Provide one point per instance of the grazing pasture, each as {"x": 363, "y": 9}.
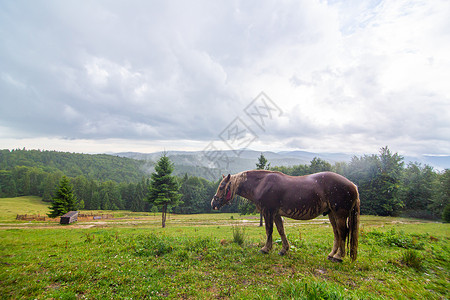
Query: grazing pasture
{"x": 32, "y": 205}
{"x": 216, "y": 256}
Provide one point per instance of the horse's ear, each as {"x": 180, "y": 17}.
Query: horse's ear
{"x": 223, "y": 176}
{"x": 228, "y": 177}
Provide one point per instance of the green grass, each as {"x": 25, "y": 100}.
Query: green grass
{"x": 31, "y": 205}
{"x": 197, "y": 257}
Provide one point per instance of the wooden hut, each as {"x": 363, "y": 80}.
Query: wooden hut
{"x": 70, "y": 217}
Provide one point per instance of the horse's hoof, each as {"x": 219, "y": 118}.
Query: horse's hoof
{"x": 334, "y": 259}
{"x": 263, "y": 252}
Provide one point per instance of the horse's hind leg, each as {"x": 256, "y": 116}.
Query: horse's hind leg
{"x": 332, "y": 218}
{"x": 268, "y": 220}
{"x": 279, "y": 222}
{"x": 340, "y": 234}
{"x": 343, "y": 230}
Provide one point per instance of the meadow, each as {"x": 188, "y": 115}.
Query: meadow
{"x": 213, "y": 256}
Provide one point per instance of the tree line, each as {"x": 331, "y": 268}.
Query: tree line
{"x": 387, "y": 187}
{"x": 101, "y": 167}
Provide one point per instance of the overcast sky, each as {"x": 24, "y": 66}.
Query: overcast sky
{"x": 337, "y": 76}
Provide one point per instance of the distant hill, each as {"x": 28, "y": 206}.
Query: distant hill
{"x": 196, "y": 163}
{"x": 133, "y": 166}
{"x": 101, "y": 167}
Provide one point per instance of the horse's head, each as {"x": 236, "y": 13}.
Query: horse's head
{"x": 225, "y": 192}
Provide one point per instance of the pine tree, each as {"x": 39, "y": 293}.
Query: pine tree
{"x": 163, "y": 190}
{"x": 64, "y": 201}
{"x": 261, "y": 165}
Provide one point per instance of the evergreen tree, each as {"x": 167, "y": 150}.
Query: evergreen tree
{"x": 319, "y": 165}
{"x": 441, "y": 199}
{"x": 378, "y": 180}
{"x": 163, "y": 190}
{"x": 64, "y": 201}
{"x": 418, "y": 189}
{"x": 390, "y": 167}
{"x": 260, "y": 165}
{"x": 195, "y": 195}
{"x": 446, "y": 214}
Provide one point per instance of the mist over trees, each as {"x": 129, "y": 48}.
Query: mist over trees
{"x": 386, "y": 185}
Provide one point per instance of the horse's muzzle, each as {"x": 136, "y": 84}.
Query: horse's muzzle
{"x": 216, "y": 203}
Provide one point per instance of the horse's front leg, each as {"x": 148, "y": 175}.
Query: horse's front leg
{"x": 268, "y": 220}
{"x": 279, "y": 222}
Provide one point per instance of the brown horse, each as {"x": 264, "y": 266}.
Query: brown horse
{"x": 278, "y": 195}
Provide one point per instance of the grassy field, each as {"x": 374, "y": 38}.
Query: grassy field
{"x": 216, "y": 256}
{"x": 31, "y": 205}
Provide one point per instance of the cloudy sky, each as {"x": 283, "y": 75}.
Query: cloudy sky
{"x": 337, "y": 76}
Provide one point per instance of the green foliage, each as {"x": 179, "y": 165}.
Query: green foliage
{"x": 262, "y": 163}
{"x": 245, "y": 206}
{"x": 163, "y": 186}
{"x": 196, "y": 195}
{"x": 163, "y": 190}
{"x": 101, "y": 167}
{"x": 316, "y": 165}
{"x": 378, "y": 177}
{"x": 103, "y": 182}
{"x": 239, "y": 235}
{"x": 420, "y": 191}
{"x": 441, "y": 203}
{"x": 378, "y": 180}
{"x": 446, "y": 214}
{"x": 412, "y": 259}
{"x": 319, "y": 165}
{"x": 64, "y": 201}
{"x": 108, "y": 182}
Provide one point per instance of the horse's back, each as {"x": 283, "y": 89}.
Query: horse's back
{"x": 340, "y": 191}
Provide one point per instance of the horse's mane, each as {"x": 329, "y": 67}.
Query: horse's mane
{"x": 236, "y": 181}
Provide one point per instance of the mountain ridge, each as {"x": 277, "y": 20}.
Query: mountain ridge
{"x": 211, "y": 166}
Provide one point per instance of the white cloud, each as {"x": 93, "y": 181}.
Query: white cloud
{"x": 349, "y": 75}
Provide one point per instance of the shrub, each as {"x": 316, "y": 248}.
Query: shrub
{"x": 238, "y": 235}
{"x": 412, "y": 259}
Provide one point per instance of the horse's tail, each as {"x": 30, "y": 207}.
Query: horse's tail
{"x": 353, "y": 228}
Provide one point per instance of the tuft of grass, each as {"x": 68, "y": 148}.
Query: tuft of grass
{"x": 412, "y": 259}
{"x": 239, "y": 235}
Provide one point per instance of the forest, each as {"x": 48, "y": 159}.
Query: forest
{"x": 386, "y": 185}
